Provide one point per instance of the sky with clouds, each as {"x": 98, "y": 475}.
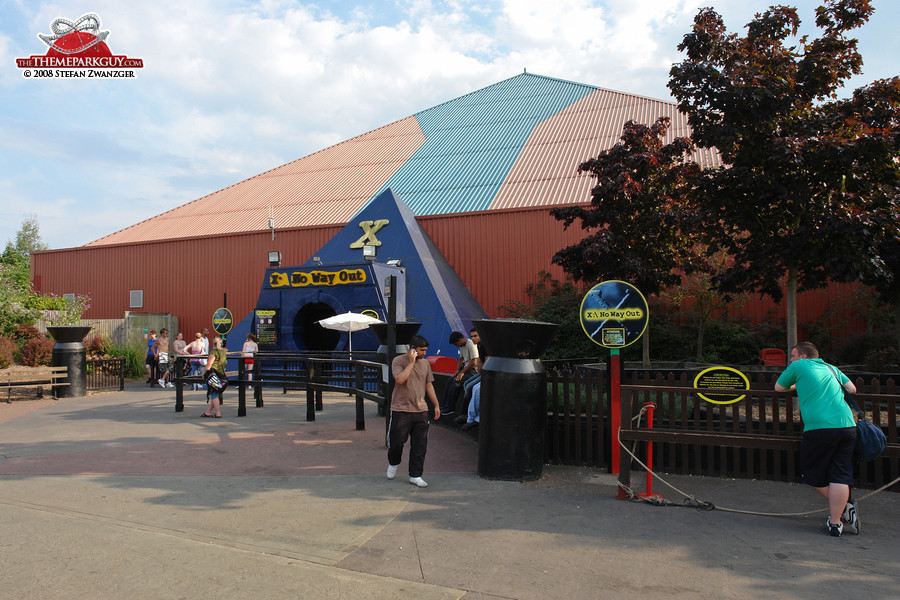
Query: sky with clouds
{"x": 232, "y": 88}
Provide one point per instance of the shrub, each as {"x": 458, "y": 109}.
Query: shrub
{"x": 37, "y": 352}
{"x": 855, "y": 349}
{"x": 134, "y": 359}
{"x": 24, "y": 332}
{"x": 7, "y": 350}
{"x": 883, "y": 361}
{"x": 98, "y": 345}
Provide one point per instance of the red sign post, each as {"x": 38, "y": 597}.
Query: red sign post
{"x": 614, "y": 314}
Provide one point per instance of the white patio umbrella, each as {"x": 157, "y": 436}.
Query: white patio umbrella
{"x": 349, "y": 322}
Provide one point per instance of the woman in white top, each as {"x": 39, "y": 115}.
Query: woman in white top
{"x": 250, "y": 347}
{"x": 196, "y": 347}
{"x": 178, "y": 346}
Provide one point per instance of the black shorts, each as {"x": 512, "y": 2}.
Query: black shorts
{"x": 826, "y": 456}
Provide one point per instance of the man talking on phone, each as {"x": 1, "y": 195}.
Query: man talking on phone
{"x": 414, "y": 383}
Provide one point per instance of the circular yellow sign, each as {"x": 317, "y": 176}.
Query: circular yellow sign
{"x": 724, "y": 378}
{"x": 614, "y": 314}
{"x": 222, "y": 321}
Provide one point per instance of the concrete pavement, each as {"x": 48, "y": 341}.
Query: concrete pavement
{"x": 116, "y": 495}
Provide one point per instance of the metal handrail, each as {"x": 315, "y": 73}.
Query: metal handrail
{"x": 310, "y": 371}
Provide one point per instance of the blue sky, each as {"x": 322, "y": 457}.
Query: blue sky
{"x": 230, "y": 89}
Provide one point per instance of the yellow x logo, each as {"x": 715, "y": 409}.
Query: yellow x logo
{"x": 370, "y": 228}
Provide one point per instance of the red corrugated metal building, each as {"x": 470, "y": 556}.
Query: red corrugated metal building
{"x": 480, "y": 172}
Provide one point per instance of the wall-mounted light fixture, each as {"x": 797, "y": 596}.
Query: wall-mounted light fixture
{"x": 274, "y": 258}
{"x": 394, "y": 262}
{"x": 369, "y": 252}
{"x": 316, "y": 260}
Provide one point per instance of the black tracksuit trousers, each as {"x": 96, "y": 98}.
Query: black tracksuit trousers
{"x": 413, "y": 426}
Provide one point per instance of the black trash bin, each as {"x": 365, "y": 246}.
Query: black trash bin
{"x": 513, "y": 398}
{"x": 405, "y": 332}
{"x": 69, "y": 351}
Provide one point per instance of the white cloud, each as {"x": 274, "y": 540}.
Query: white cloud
{"x": 231, "y": 89}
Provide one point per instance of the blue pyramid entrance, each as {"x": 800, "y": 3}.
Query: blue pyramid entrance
{"x": 340, "y": 279}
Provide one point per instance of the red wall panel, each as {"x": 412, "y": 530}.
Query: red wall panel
{"x": 496, "y": 254}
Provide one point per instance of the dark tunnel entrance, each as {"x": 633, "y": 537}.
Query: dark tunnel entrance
{"x": 313, "y": 336}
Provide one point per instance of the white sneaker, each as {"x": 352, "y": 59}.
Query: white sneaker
{"x": 850, "y": 518}
{"x": 418, "y": 481}
{"x": 392, "y": 471}
{"x": 161, "y": 382}
{"x": 170, "y": 384}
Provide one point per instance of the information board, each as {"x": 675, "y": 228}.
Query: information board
{"x": 724, "y": 378}
{"x": 266, "y": 325}
{"x": 614, "y": 314}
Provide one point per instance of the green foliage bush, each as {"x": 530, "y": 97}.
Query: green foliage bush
{"x": 886, "y": 360}
{"x": 672, "y": 334}
{"x": 24, "y": 333}
{"x": 38, "y": 352}
{"x": 856, "y": 349}
{"x": 7, "y": 351}
{"x": 98, "y": 345}
{"x": 134, "y": 359}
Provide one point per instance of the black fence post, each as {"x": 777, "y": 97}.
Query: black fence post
{"x": 360, "y": 409}
{"x": 257, "y": 389}
{"x": 242, "y": 388}
{"x": 179, "y": 387}
{"x": 310, "y": 391}
{"x": 390, "y": 350}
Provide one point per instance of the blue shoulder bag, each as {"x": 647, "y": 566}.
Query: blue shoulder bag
{"x": 870, "y": 439}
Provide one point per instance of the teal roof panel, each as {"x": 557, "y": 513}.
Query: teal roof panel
{"x": 473, "y": 141}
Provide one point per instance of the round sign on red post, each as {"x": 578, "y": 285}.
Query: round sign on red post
{"x": 614, "y": 314}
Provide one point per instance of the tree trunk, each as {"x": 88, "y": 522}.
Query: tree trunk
{"x": 897, "y": 322}
{"x": 791, "y": 308}
{"x": 645, "y": 350}
{"x": 700, "y": 331}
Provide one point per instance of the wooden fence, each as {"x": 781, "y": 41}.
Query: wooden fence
{"x": 757, "y": 437}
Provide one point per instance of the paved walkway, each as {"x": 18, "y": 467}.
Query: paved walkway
{"x": 117, "y": 496}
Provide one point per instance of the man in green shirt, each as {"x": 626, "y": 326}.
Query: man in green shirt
{"x": 829, "y": 432}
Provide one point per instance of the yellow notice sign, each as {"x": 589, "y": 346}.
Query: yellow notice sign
{"x": 722, "y": 378}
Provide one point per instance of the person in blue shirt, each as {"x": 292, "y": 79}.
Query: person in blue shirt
{"x": 829, "y": 432}
{"x": 151, "y": 360}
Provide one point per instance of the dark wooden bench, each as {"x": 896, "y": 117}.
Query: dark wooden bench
{"x": 36, "y": 378}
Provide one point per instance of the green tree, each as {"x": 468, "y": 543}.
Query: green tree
{"x": 888, "y": 288}
{"x": 15, "y": 277}
{"x": 640, "y": 227}
{"x": 698, "y": 298}
{"x": 808, "y": 192}
{"x": 16, "y": 257}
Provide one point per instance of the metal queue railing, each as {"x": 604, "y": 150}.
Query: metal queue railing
{"x": 314, "y": 372}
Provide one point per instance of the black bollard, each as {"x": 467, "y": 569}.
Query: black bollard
{"x": 513, "y": 411}
{"x": 69, "y": 352}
